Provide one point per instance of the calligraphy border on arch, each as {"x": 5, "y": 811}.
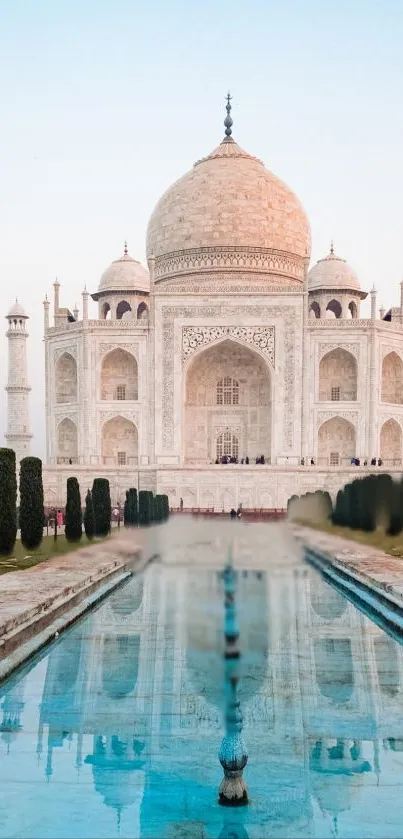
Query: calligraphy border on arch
{"x": 195, "y": 337}
{"x": 168, "y": 315}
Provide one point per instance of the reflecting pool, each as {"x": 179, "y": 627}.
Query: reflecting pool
{"x": 114, "y": 730}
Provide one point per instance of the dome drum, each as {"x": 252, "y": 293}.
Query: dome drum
{"x": 209, "y": 260}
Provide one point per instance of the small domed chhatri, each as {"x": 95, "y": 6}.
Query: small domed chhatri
{"x": 17, "y": 311}
{"x": 230, "y": 203}
{"x": 333, "y": 272}
{"x": 125, "y": 274}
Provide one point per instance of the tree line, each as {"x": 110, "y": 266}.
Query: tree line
{"x": 363, "y": 504}
{"x": 141, "y": 508}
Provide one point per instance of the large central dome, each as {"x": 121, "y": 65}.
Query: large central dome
{"x": 229, "y": 214}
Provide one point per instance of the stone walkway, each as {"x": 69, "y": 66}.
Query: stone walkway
{"x": 370, "y": 566}
{"x": 37, "y": 602}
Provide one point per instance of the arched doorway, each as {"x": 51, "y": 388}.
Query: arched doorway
{"x": 333, "y": 309}
{"x": 392, "y": 379}
{"x": 122, "y": 308}
{"x": 338, "y": 377}
{"x": 119, "y": 376}
{"x": 227, "y": 404}
{"x": 67, "y": 448}
{"x": 314, "y": 310}
{"x": 142, "y": 311}
{"x": 336, "y": 442}
{"x": 66, "y": 379}
{"x": 391, "y": 443}
{"x": 119, "y": 442}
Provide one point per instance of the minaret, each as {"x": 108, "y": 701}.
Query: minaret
{"x": 18, "y": 435}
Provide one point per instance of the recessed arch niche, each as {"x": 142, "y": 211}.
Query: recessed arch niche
{"x": 338, "y": 376}
{"x": 67, "y": 442}
{"x": 227, "y": 391}
{"x": 119, "y": 442}
{"x": 336, "y": 442}
{"x": 66, "y": 379}
{"x": 119, "y": 376}
{"x": 392, "y": 379}
{"x": 391, "y": 443}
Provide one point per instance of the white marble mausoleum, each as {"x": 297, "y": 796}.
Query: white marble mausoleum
{"x": 229, "y": 344}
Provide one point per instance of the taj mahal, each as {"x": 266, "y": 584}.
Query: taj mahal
{"x": 230, "y": 346}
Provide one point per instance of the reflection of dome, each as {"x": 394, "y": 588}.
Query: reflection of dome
{"x": 229, "y": 200}
{"x": 125, "y": 274}
{"x": 332, "y": 272}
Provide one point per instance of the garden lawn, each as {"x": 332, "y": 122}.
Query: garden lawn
{"x": 21, "y": 558}
{"x": 392, "y": 545}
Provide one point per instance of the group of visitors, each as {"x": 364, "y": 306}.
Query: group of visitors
{"x": 355, "y": 461}
{"x": 303, "y": 461}
{"x": 236, "y": 514}
{"x": 226, "y": 458}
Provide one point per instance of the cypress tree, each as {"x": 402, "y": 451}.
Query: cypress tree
{"x": 89, "y": 521}
{"x": 134, "y": 507}
{"x": 126, "y": 510}
{"x": 395, "y": 521}
{"x": 101, "y": 502}
{"x": 73, "y": 523}
{"x": 144, "y": 507}
{"x": 31, "y": 502}
{"x": 151, "y": 504}
{"x": 8, "y": 501}
{"x": 165, "y": 500}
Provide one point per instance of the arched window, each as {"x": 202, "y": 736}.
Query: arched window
{"x": 338, "y": 377}
{"x": 119, "y": 376}
{"x": 333, "y": 309}
{"x": 142, "y": 311}
{"x": 352, "y": 307}
{"x": 227, "y": 444}
{"x": 314, "y": 310}
{"x": 392, "y": 379}
{"x": 66, "y": 379}
{"x": 106, "y": 311}
{"x": 227, "y": 391}
{"x": 391, "y": 443}
{"x": 122, "y": 308}
{"x": 67, "y": 448}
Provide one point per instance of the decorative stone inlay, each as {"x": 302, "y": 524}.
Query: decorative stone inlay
{"x": 73, "y": 416}
{"x": 257, "y": 260}
{"x": 261, "y": 337}
{"x": 386, "y": 350}
{"x": 354, "y": 349}
{"x": 104, "y": 416}
{"x": 104, "y": 349}
{"x": 338, "y": 323}
{"x": 385, "y": 417}
{"x": 323, "y": 416}
{"x": 66, "y": 350}
{"x": 224, "y": 284}
{"x": 288, "y": 314}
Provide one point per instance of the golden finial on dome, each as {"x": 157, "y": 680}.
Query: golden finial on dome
{"x": 331, "y": 248}
{"x": 228, "y": 122}
{"x": 125, "y": 248}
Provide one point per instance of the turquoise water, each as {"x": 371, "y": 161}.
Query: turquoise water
{"x": 115, "y": 728}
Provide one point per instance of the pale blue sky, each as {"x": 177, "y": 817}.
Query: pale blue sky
{"x": 105, "y": 103}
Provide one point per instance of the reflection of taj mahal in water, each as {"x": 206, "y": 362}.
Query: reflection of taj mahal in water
{"x": 229, "y": 345}
{"x": 137, "y": 695}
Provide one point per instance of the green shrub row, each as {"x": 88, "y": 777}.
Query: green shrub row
{"x": 371, "y": 502}
{"x": 313, "y": 506}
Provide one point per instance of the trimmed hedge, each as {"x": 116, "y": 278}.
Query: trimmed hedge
{"x": 101, "y": 501}
{"x": 145, "y": 516}
{"x": 8, "y": 501}
{"x": 73, "y": 523}
{"x": 131, "y": 513}
{"x": 32, "y": 514}
{"x": 89, "y": 519}
{"x": 371, "y": 502}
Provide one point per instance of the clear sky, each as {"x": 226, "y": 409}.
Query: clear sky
{"x": 104, "y": 104}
